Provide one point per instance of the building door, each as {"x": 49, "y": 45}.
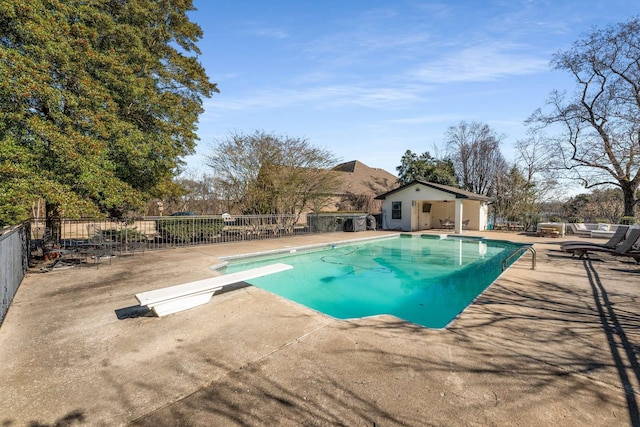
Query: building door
{"x": 425, "y": 215}
{"x": 420, "y": 215}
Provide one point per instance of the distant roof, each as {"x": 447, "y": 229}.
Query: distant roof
{"x": 358, "y": 178}
{"x": 460, "y": 194}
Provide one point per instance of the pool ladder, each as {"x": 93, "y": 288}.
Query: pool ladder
{"x": 516, "y": 252}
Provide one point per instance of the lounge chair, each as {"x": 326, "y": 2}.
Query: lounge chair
{"x": 614, "y": 241}
{"x": 580, "y": 229}
{"x": 625, "y": 248}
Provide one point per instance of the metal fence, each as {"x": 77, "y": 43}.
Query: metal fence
{"x": 14, "y": 262}
{"x": 54, "y": 240}
{"x": 148, "y": 233}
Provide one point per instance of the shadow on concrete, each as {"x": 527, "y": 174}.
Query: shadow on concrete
{"x": 75, "y": 417}
{"x": 620, "y": 345}
{"x": 133, "y": 312}
{"x": 248, "y": 397}
{"x": 560, "y": 325}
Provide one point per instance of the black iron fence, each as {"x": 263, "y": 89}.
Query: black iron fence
{"x": 14, "y": 262}
{"x": 59, "y": 242}
{"x": 55, "y": 237}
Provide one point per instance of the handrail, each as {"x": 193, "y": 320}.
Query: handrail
{"x": 514, "y": 253}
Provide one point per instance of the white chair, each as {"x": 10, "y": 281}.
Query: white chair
{"x": 580, "y": 229}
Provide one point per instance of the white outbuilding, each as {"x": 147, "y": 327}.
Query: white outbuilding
{"x": 422, "y": 205}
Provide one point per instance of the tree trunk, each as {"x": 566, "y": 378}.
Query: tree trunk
{"x": 629, "y": 192}
{"x": 52, "y": 225}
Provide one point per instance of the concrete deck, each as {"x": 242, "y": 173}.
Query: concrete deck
{"x": 553, "y": 346}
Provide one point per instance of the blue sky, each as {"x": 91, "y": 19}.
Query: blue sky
{"x": 369, "y": 79}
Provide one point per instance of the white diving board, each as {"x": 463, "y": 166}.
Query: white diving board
{"x": 176, "y": 298}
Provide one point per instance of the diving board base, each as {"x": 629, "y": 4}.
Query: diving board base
{"x": 181, "y": 304}
{"x": 177, "y": 298}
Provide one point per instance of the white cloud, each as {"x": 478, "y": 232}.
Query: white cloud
{"x": 481, "y": 62}
{"x": 262, "y": 30}
{"x": 432, "y": 118}
{"x": 274, "y": 33}
{"x": 321, "y": 97}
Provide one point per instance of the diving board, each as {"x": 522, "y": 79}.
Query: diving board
{"x": 176, "y": 298}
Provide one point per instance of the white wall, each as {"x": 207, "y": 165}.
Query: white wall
{"x": 406, "y": 196}
{"x": 474, "y": 210}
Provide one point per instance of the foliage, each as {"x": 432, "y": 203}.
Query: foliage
{"x": 599, "y": 125}
{"x": 628, "y": 220}
{"x": 98, "y": 103}
{"x": 474, "y": 149}
{"x": 184, "y": 229}
{"x": 263, "y": 173}
{"x": 124, "y": 235}
{"x": 425, "y": 168}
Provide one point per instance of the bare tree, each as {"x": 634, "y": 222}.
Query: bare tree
{"x": 200, "y": 194}
{"x": 264, "y": 173}
{"x": 602, "y": 204}
{"x": 606, "y": 204}
{"x": 599, "y": 126}
{"x": 533, "y": 159}
{"x": 474, "y": 149}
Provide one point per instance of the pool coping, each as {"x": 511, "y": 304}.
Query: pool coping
{"x": 225, "y": 259}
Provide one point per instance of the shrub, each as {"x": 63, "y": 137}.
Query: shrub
{"x": 575, "y": 219}
{"x": 185, "y": 229}
{"x": 124, "y": 235}
{"x": 628, "y": 220}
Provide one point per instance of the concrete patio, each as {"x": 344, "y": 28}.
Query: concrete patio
{"x": 553, "y": 346}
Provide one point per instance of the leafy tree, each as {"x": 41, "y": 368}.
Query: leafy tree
{"x": 474, "y": 149}
{"x": 264, "y": 173}
{"x": 425, "y": 168}
{"x": 98, "y": 103}
{"x": 575, "y": 207}
{"x": 599, "y": 125}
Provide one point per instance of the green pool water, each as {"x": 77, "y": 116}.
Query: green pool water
{"x": 421, "y": 279}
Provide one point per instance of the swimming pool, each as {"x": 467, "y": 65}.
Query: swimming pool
{"x": 422, "y": 279}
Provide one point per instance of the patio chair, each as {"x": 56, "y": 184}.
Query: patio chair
{"x": 97, "y": 247}
{"x": 614, "y": 241}
{"x": 446, "y": 224}
{"x": 626, "y": 248}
